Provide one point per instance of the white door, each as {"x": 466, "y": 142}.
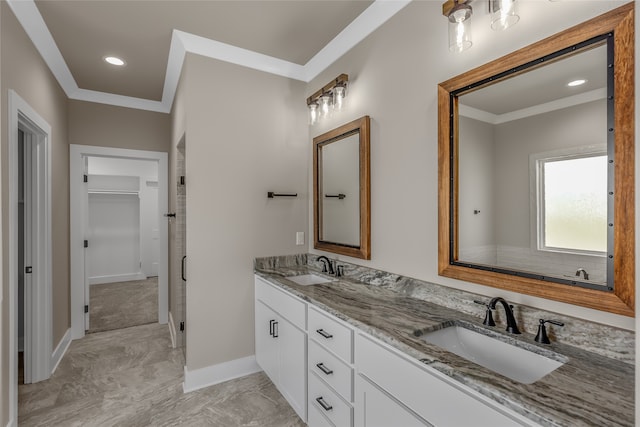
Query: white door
{"x": 27, "y": 253}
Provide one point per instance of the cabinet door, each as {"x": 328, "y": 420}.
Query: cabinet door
{"x": 293, "y": 366}
{"x": 266, "y": 343}
{"x": 374, "y": 408}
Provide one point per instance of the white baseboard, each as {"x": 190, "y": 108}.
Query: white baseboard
{"x": 172, "y": 331}
{"x": 60, "y": 350}
{"x": 114, "y": 278}
{"x": 215, "y": 374}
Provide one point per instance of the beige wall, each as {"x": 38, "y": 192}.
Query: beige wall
{"x": 109, "y": 126}
{"x": 24, "y": 71}
{"x": 246, "y": 136}
{"x": 393, "y": 78}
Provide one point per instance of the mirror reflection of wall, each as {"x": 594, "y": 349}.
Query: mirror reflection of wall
{"x": 505, "y": 136}
{"x": 341, "y": 191}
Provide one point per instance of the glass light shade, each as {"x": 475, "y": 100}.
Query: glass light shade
{"x": 338, "y": 97}
{"x": 313, "y": 113}
{"x": 460, "y": 28}
{"x": 503, "y": 14}
{"x": 325, "y": 104}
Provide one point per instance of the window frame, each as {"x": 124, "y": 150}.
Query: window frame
{"x": 537, "y": 211}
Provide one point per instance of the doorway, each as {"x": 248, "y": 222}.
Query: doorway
{"x": 30, "y": 273}
{"x": 122, "y": 243}
{"x": 86, "y": 265}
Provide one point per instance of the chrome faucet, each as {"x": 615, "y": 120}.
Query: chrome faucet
{"x": 327, "y": 265}
{"x": 512, "y": 326}
{"x": 584, "y": 272}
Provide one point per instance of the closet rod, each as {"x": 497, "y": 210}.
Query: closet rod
{"x": 122, "y": 193}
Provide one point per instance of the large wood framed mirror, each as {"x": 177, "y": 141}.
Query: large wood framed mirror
{"x": 536, "y": 168}
{"x": 341, "y": 190}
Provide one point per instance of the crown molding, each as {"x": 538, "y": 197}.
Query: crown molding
{"x": 547, "y": 107}
{"x": 182, "y": 43}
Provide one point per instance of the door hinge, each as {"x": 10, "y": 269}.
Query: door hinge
{"x": 86, "y": 308}
{"x": 86, "y": 243}
{"x": 28, "y": 270}
{"x": 182, "y": 180}
{"x": 181, "y": 326}
{"x": 85, "y": 178}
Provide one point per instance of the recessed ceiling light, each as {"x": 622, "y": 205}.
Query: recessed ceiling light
{"x": 114, "y": 60}
{"x": 576, "y": 82}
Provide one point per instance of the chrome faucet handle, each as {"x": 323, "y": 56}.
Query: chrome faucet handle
{"x": 488, "y": 316}
{"x": 542, "y": 336}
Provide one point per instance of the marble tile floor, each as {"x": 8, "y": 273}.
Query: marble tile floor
{"x": 123, "y": 304}
{"x": 132, "y": 377}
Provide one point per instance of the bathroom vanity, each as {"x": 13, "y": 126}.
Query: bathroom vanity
{"x": 352, "y": 352}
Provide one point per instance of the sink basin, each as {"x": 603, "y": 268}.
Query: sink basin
{"x": 506, "y": 359}
{"x": 310, "y": 279}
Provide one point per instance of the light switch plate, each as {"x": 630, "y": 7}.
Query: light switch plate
{"x": 300, "y": 238}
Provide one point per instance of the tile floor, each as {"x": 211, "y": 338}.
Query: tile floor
{"x": 123, "y": 304}
{"x": 132, "y": 377}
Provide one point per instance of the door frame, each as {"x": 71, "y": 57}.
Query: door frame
{"x": 78, "y": 218}
{"x": 39, "y": 336}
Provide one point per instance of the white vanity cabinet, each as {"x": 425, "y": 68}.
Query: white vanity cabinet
{"x": 281, "y": 342}
{"x": 335, "y": 375}
{"x": 391, "y": 386}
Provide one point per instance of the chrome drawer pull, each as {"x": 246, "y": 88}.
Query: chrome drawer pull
{"x": 324, "y": 333}
{"x": 324, "y": 404}
{"x": 324, "y": 369}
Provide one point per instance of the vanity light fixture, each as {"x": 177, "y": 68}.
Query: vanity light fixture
{"x": 459, "y": 14}
{"x": 503, "y": 14}
{"x": 577, "y": 82}
{"x": 329, "y": 97}
{"x": 114, "y": 60}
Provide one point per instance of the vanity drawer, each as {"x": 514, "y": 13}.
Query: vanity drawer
{"x": 327, "y": 402}
{"x": 316, "y": 419}
{"x": 284, "y": 304}
{"x": 331, "y": 369}
{"x": 331, "y": 334}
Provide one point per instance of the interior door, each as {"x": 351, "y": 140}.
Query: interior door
{"x": 27, "y": 253}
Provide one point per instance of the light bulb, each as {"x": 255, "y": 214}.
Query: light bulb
{"x": 325, "y": 104}
{"x": 313, "y": 113}
{"x": 503, "y": 14}
{"x": 338, "y": 98}
{"x": 460, "y": 28}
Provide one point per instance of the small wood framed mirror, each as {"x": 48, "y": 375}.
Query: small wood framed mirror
{"x": 341, "y": 190}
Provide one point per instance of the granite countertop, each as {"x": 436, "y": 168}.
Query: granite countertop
{"x": 589, "y": 389}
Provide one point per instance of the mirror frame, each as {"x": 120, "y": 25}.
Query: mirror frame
{"x": 361, "y": 126}
{"x": 621, "y": 300}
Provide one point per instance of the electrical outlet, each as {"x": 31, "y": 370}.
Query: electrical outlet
{"x": 300, "y": 238}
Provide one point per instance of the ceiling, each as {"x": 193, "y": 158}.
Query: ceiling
{"x": 541, "y": 89}
{"x": 296, "y": 39}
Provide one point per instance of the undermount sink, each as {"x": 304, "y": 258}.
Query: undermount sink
{"x": 506, "y": 359}
{"x": 310, "y": 279}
